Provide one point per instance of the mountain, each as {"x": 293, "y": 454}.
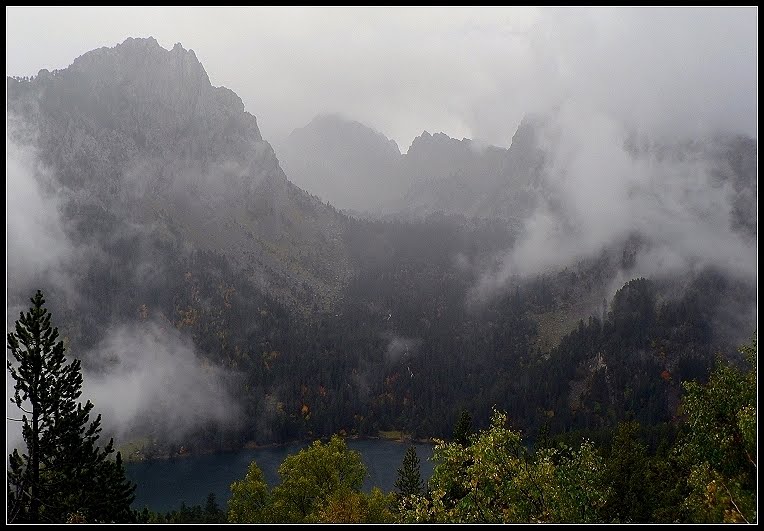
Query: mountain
{"x": 137, "y": 134}
{"x": 358, "y": 169}
{"x": 342, "y": 161}
{"x": 462, "y": 177}
{"x": 188, "y": 271}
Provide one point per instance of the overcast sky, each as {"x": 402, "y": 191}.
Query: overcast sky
{"x": 469, "y": 72}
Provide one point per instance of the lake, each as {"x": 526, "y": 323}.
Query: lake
{"x": 164, "y": 483}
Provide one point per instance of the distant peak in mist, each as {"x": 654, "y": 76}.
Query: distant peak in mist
{"x": 427, "y": 139}
{"x": 335, "y": 127}
{"x": 343, "y": 161}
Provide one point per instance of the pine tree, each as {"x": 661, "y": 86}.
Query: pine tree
{"x": 463, "y": 428}
{"x": 409, "y": 479}
{"x": 65, "y": 475}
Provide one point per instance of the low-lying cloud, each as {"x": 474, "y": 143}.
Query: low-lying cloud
{"x": 147, "y": 379}
{"x": 597, "y": 192}
{"x": 37, "y": 245}
{"x": 399, "y": 347}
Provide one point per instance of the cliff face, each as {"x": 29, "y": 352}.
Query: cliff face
{"x": 139, "y": 132}
{"x": 462, "y": 177}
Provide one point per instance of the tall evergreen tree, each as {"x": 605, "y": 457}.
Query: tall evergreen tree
{"x": 463, "y": 428}
{"x": 409, "y": 479}
{"x": 64, "y": 475}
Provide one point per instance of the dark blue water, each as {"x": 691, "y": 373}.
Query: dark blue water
{"x": 164, "y": 483}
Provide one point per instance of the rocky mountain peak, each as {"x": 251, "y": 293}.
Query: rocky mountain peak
{"x": 139, "y": 132}
{"x": 143, "y": 57}
{"x": 428, "y": 144}
{"x": 154, "y": 100}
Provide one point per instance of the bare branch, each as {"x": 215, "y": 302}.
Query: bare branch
{"x": 734, "y": 504}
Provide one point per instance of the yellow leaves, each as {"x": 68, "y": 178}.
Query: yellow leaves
{"x": 344, "y": 509}
{"x": 732, "y": 516}
{"x": 187, "y": 317}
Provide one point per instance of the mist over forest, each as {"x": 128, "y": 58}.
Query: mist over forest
{"x": 551, "y": 213}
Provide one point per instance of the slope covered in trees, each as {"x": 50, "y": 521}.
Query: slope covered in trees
{"x": 703, "y": 472}
{"x": 173, "y": 210}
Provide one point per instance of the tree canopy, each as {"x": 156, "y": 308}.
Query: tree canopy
{"x": 313, "y": 476}
{"x": 719, "y": 445}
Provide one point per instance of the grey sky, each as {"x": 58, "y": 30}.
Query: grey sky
{"x": 469, "y": 72}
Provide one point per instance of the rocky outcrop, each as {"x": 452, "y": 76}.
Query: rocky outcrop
{"x": 466, "y": 178}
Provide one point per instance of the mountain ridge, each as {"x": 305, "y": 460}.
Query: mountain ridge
{"x": 180, "y": 224}
{"x": 145, "y": 133}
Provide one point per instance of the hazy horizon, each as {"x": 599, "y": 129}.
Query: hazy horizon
{"x": 471, "y": 73}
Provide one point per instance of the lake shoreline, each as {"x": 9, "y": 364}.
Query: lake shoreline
{"x": 252, "y": 445}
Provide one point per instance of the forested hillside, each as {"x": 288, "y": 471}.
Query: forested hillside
{"x": 173, "y": 220}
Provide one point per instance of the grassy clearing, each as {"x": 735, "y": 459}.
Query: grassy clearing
{"x": 392, "y": 435}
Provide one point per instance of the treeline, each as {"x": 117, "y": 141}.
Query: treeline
{"x": 403, "y": 348}
{"x": 703, "y": 471}
{"x": 210, "y": 513}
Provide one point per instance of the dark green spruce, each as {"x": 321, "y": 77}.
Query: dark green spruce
{"x": 63, "y": 476}
{"x": 463, "y": 428}
{"x": 409, "y": 479}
